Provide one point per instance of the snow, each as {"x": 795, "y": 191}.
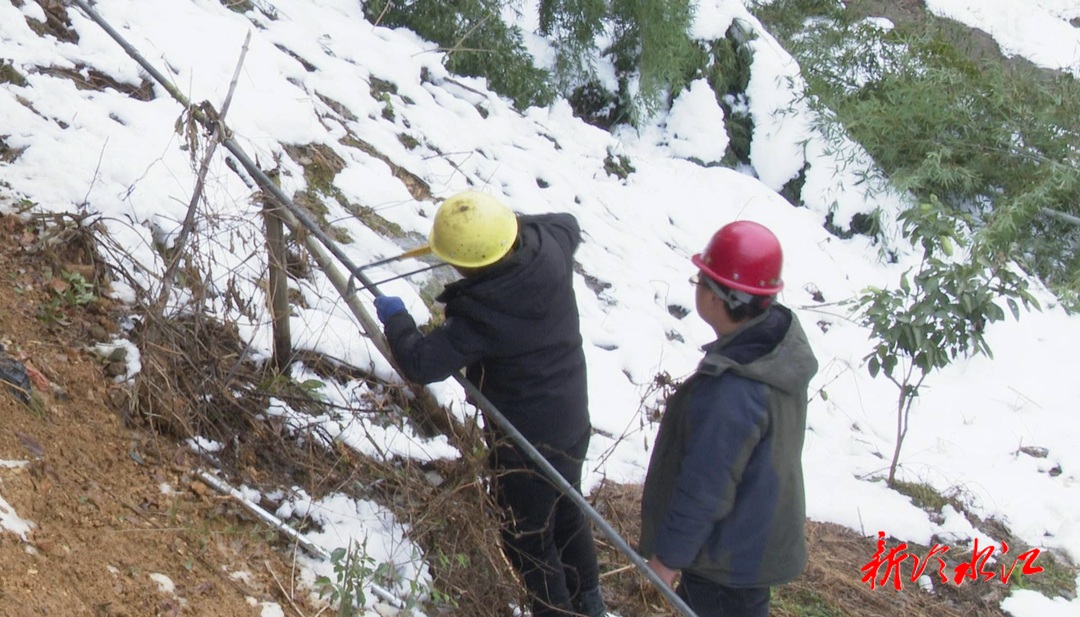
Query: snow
{"x": 1038, "y": 30}
{"x": 9, "y": 519}
{"x": 107, "y": 153}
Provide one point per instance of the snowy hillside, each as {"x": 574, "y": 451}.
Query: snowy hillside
{"x": 365, "y": 122}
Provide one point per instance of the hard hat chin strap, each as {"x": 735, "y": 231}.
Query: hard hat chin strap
{"x": 734, "y": 298}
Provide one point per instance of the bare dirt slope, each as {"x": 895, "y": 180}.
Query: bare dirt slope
{"x": 120, "y": 524}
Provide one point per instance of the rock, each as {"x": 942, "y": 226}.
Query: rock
{"x": 1035, "y": 451}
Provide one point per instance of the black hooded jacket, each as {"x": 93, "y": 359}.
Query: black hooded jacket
{"x": 514, "y": 327}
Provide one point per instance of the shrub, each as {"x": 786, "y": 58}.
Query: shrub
{"x": 947, "y": 119}
{"x": 477, "y": 42}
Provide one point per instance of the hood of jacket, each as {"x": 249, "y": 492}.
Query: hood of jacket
{"x": 771, "y": 348}
{"x": 523, "y": 284}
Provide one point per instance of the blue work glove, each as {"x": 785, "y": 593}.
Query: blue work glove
{"x": 388, "y": 306}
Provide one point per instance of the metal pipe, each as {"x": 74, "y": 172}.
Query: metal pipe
{"x": 264, "y": 181}
{"x": 556, "y": 478}
{"x": 222, "y": 487}
{"x": 263, "y": 514}
{"x": 481, "y": 401}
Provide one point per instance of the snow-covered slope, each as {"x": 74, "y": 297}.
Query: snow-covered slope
{"x": 317, "y": 77}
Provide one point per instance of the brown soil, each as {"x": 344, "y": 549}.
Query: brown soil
{"x": 831, "y": 585}
{"x": 117, "y": 508}
{"x": 114, "y": 508}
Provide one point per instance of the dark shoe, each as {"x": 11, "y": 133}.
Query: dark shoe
{"x": 591, "y": 603}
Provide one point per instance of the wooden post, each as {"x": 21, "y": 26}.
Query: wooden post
{"x": 279, "y": 286}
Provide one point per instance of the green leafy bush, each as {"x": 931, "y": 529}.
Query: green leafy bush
{"x": 647, "y": 41}
{"x": 353, "y": 570}
{"x": 652, "y": 46}
{"x": 941, "y": 311}
{"x": 478, "y": 43}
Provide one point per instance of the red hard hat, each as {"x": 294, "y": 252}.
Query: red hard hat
{"x": 743, "y": 255}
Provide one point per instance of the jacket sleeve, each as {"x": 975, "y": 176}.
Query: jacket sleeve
{"x": 433, "y": 357}
{"x": 727, "y": 418}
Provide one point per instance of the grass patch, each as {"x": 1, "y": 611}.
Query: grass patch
{"x": 9, "y": 154}
{"x": 923, "y": 495}
{"x": 618, "y": 165}
{"x": 410, "y": 142}
{"x": 1056, "y": 579}
{"x": 10, "y": 75}
{"x": 88, "y": 78}
{"x": 802, "y": 602}
{"x": 238, "y": 6}
{"x": 57, "y": 23}
{"x": 381, "y": 90}
{"x": 321, "y": 165}
{"x": 416, "y": 185}
{"x": 372, "y": 220}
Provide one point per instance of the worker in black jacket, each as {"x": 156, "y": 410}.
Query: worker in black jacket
{"x": 512, "y": 323}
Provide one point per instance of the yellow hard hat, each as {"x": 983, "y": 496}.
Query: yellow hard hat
{"x": 472, "y": 230}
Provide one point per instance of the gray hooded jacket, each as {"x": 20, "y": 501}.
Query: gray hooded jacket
{"x": 723, "y": 496}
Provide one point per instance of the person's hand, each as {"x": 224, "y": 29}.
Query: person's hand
{"x": 665, "y": 573}
{"x": 388, "y": 306}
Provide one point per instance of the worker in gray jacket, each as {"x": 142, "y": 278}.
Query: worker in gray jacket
{"x": 723, "y": 500}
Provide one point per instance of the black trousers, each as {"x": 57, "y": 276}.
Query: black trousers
{"x": 709, "y": 599}
{"x": 546, "y": 535}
